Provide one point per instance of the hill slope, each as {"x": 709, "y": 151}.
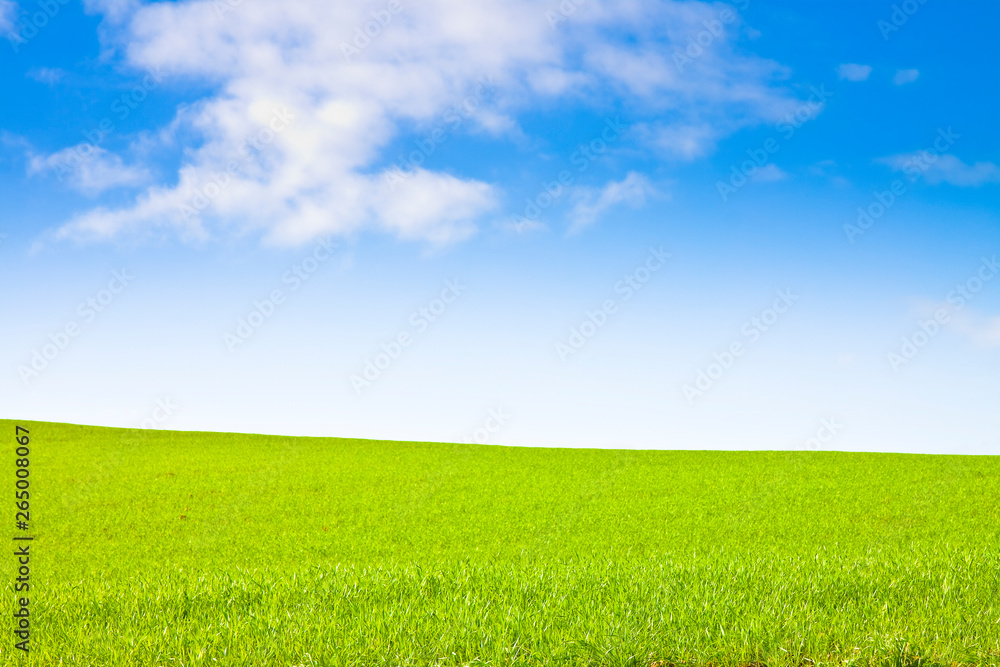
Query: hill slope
{"x": 166, "y": 548}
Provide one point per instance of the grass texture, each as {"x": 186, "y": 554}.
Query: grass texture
{"x": 156, "y": 548}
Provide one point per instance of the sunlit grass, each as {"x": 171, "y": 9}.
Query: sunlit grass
{"x": 158, "y": 548}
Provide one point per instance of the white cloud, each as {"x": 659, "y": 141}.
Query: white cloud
{"x": 686, "y": 142}
{"x": 905, "y": 76}
{"x": 88, "y": 168}
{"x": 436, "y": 207}
{"x": 853, "y": 72}
{"x": 770, "y": 173}
{"x": 116, "y": 10}
{"x": 631, "y": 190}
{"x": 822, "y": 167}
{"x": 46, "y": 75}
{"x": 944, "y": 169}
{"x": 8, "y": 15}
{"x": 984, "y": 331}
{"x": 350, "y": 99}
{"x": 522, "y": 225}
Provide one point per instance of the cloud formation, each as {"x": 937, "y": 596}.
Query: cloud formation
{"x": 46, "y": 75}
{"x": 853, "y": 72}
{"x": 982, "y": 330}
{"x": 88, "y": 168}
{"x": 905, "y": 76}
{"x": 770, "y": 173}
{"x": 354, "y": 76}
{"x": 945, "y": 168}
{"x": 8, "y": 14}
{"x": 631, "y": 190}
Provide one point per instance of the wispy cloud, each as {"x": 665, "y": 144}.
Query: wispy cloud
{"x": 118, "y": 10}
{"x": 823, "y": 167}
{"x": 685, "y": 142}
{"x": 945, "y": 169}
{"x": 853, "y": 72}
{"x": 353, "y": 94}
{"x": 592, "y": 204}
{"x": 904, "y": 76}
{"x": 974, "y": 325}
{"x": 88, "y": 168}
{"x": 47, "y": 75}
{"x": 8, "y": 14}
{"x": 770, "y": 173}
{"x": 982, "y": 330}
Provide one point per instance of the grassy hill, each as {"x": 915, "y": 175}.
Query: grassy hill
{"x": 169, "y": 548}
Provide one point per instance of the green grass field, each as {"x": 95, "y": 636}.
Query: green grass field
{"x": 163, "y": 548}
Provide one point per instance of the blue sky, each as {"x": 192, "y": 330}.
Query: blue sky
{"x": 734, "y": 225}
